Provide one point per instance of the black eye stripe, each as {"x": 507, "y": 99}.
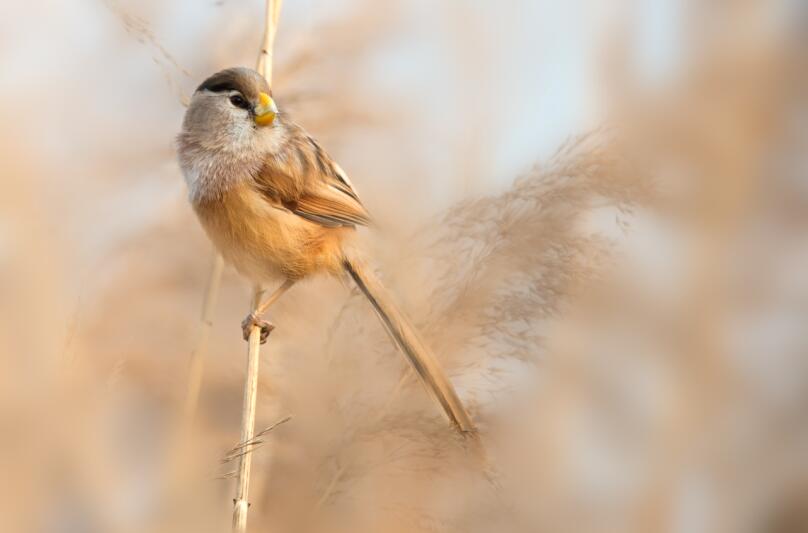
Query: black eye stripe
{"x": 239, "y": 101}
{"x": 218, "y": 87}
{"x": 242, "y": 80}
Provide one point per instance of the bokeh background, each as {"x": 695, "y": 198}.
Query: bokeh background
{"x": 595, "y": 211}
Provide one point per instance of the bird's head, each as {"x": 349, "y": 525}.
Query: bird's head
{"x": 231, "y": 107}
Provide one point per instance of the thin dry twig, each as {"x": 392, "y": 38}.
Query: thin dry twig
{"x": 141, "y": 30}
{"x": 241, "y": 448}
{"x": 196, "y": 364}
{"x": 240, "y": 503}
{"x": 273, "y": 13}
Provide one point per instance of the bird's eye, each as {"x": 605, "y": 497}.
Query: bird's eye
{"x": 239, "y": 101}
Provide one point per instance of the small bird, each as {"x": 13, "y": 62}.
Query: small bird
{"x": 279, "y": 209}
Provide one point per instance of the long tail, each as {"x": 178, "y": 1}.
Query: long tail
{"x": 420, "y": 357}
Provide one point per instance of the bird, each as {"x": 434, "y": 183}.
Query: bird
{"x": 280, "y": 210}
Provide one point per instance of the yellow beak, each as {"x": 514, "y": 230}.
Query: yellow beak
{"x": 266, "y": 110}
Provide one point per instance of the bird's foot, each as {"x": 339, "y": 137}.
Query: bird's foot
{"x": 253, "y": 320}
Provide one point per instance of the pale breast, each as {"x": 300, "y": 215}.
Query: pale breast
{"x": 265, "y": 242}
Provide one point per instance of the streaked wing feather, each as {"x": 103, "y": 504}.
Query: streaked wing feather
{"x": 330, "y": 203}
{"x": 343, "y": 183}
{"x": 323, "y": 221}
{"x": 310, "y": 184}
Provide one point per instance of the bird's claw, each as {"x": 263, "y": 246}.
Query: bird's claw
{"x": 254, "y": 321}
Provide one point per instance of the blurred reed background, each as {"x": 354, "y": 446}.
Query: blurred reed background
{"x": 595, "y": 211}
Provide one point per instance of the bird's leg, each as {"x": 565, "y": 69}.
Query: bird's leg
{"x": 254, "y": 319}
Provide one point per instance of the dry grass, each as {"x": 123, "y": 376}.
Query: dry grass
{"x": 625, "y": 320}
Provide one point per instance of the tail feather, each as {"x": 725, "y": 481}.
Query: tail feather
{"x": 405, "y": 335}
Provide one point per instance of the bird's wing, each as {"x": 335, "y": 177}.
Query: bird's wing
{"x": 311, "y": 185}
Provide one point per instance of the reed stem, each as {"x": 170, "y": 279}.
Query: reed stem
{"x": 241, "y": 503}
{"x": 197, "y": 363}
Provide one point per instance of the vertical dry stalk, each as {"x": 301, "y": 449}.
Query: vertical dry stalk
{"x": 196, "y": 365}
{"x": 241, "y": 503}
{"x": 273, "y": 13}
